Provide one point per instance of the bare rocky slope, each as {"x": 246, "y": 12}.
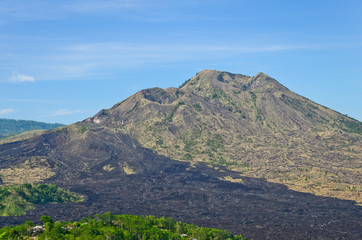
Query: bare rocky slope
{"x": 223, "y": 150}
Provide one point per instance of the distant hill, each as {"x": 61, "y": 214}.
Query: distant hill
{"x": 10, "y": 127}
{"x": 236, "y": 152}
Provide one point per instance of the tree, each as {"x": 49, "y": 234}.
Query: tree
{"x": 45, "y": 219}
{"x": 48, "y": 222}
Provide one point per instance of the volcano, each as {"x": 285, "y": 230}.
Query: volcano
{"x": 223, "y": 150}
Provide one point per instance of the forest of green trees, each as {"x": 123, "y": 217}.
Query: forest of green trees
{"x": 10, "y": 126}
{"x": 16, "y": 199}
{"x": 108, "y": 226}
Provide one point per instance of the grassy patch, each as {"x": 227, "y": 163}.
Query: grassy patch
{"x": 352, "y": 126}
{"x": 197, "y": 106}
{"x": 216, "y": 142}
{"x": 33, "y": 170}
{"x": 128, "y": 169}
{"x": 170, "y": 116}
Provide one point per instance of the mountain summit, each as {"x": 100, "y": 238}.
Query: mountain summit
{"x": 229, "y": 133}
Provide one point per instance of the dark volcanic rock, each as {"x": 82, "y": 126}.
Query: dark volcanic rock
{"x": 195, "y": 194}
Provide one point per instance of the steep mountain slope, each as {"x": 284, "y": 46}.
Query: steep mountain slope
{"x": 72, "y": 154}
{"x": 254, "y": 125}
{"x": 10, "y": 126}
{"x": 21, "y": 136}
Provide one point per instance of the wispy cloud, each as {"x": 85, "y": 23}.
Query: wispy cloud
{"x": 100, "y": 6}
{"x": 137, "y": 10}
{"x": 18, "y": 10}
{"x": 123, "y": 47}
{"x": 62, "y": 112}
{"x": 43, "y": 101}
{"x": 6, "y": 110}
{"x": 121, "y": 55}
{"x": 88, "y": 61}
{"x": 17, "y": 77}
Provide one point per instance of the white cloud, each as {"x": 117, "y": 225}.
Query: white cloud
{"x": 5, "y": 111}
{"x": 17, "y": 77}
{"x": 64, "y": 111}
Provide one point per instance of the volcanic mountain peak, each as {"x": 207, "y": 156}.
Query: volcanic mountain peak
{"x": 260, "y": 100}
{"x": 241, "y": 121}
{"x": 211, "y": 80}
{"x": 251, "y": 125}
{"x": 215, "y": 78}
{"x": 205, "y": 84}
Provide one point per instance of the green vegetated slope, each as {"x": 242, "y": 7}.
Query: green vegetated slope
{"x": 15, "y": 200}
{"x": 108, "y": 226}
{"x": 21, "y": 136}
{"x": 10, "y": 127}
{"x": 253, "y": 125}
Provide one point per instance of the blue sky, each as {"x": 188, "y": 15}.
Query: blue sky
{"x": 63, "y": 61}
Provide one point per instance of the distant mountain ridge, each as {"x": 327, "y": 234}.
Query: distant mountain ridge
{"x": 10, "y": 127}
